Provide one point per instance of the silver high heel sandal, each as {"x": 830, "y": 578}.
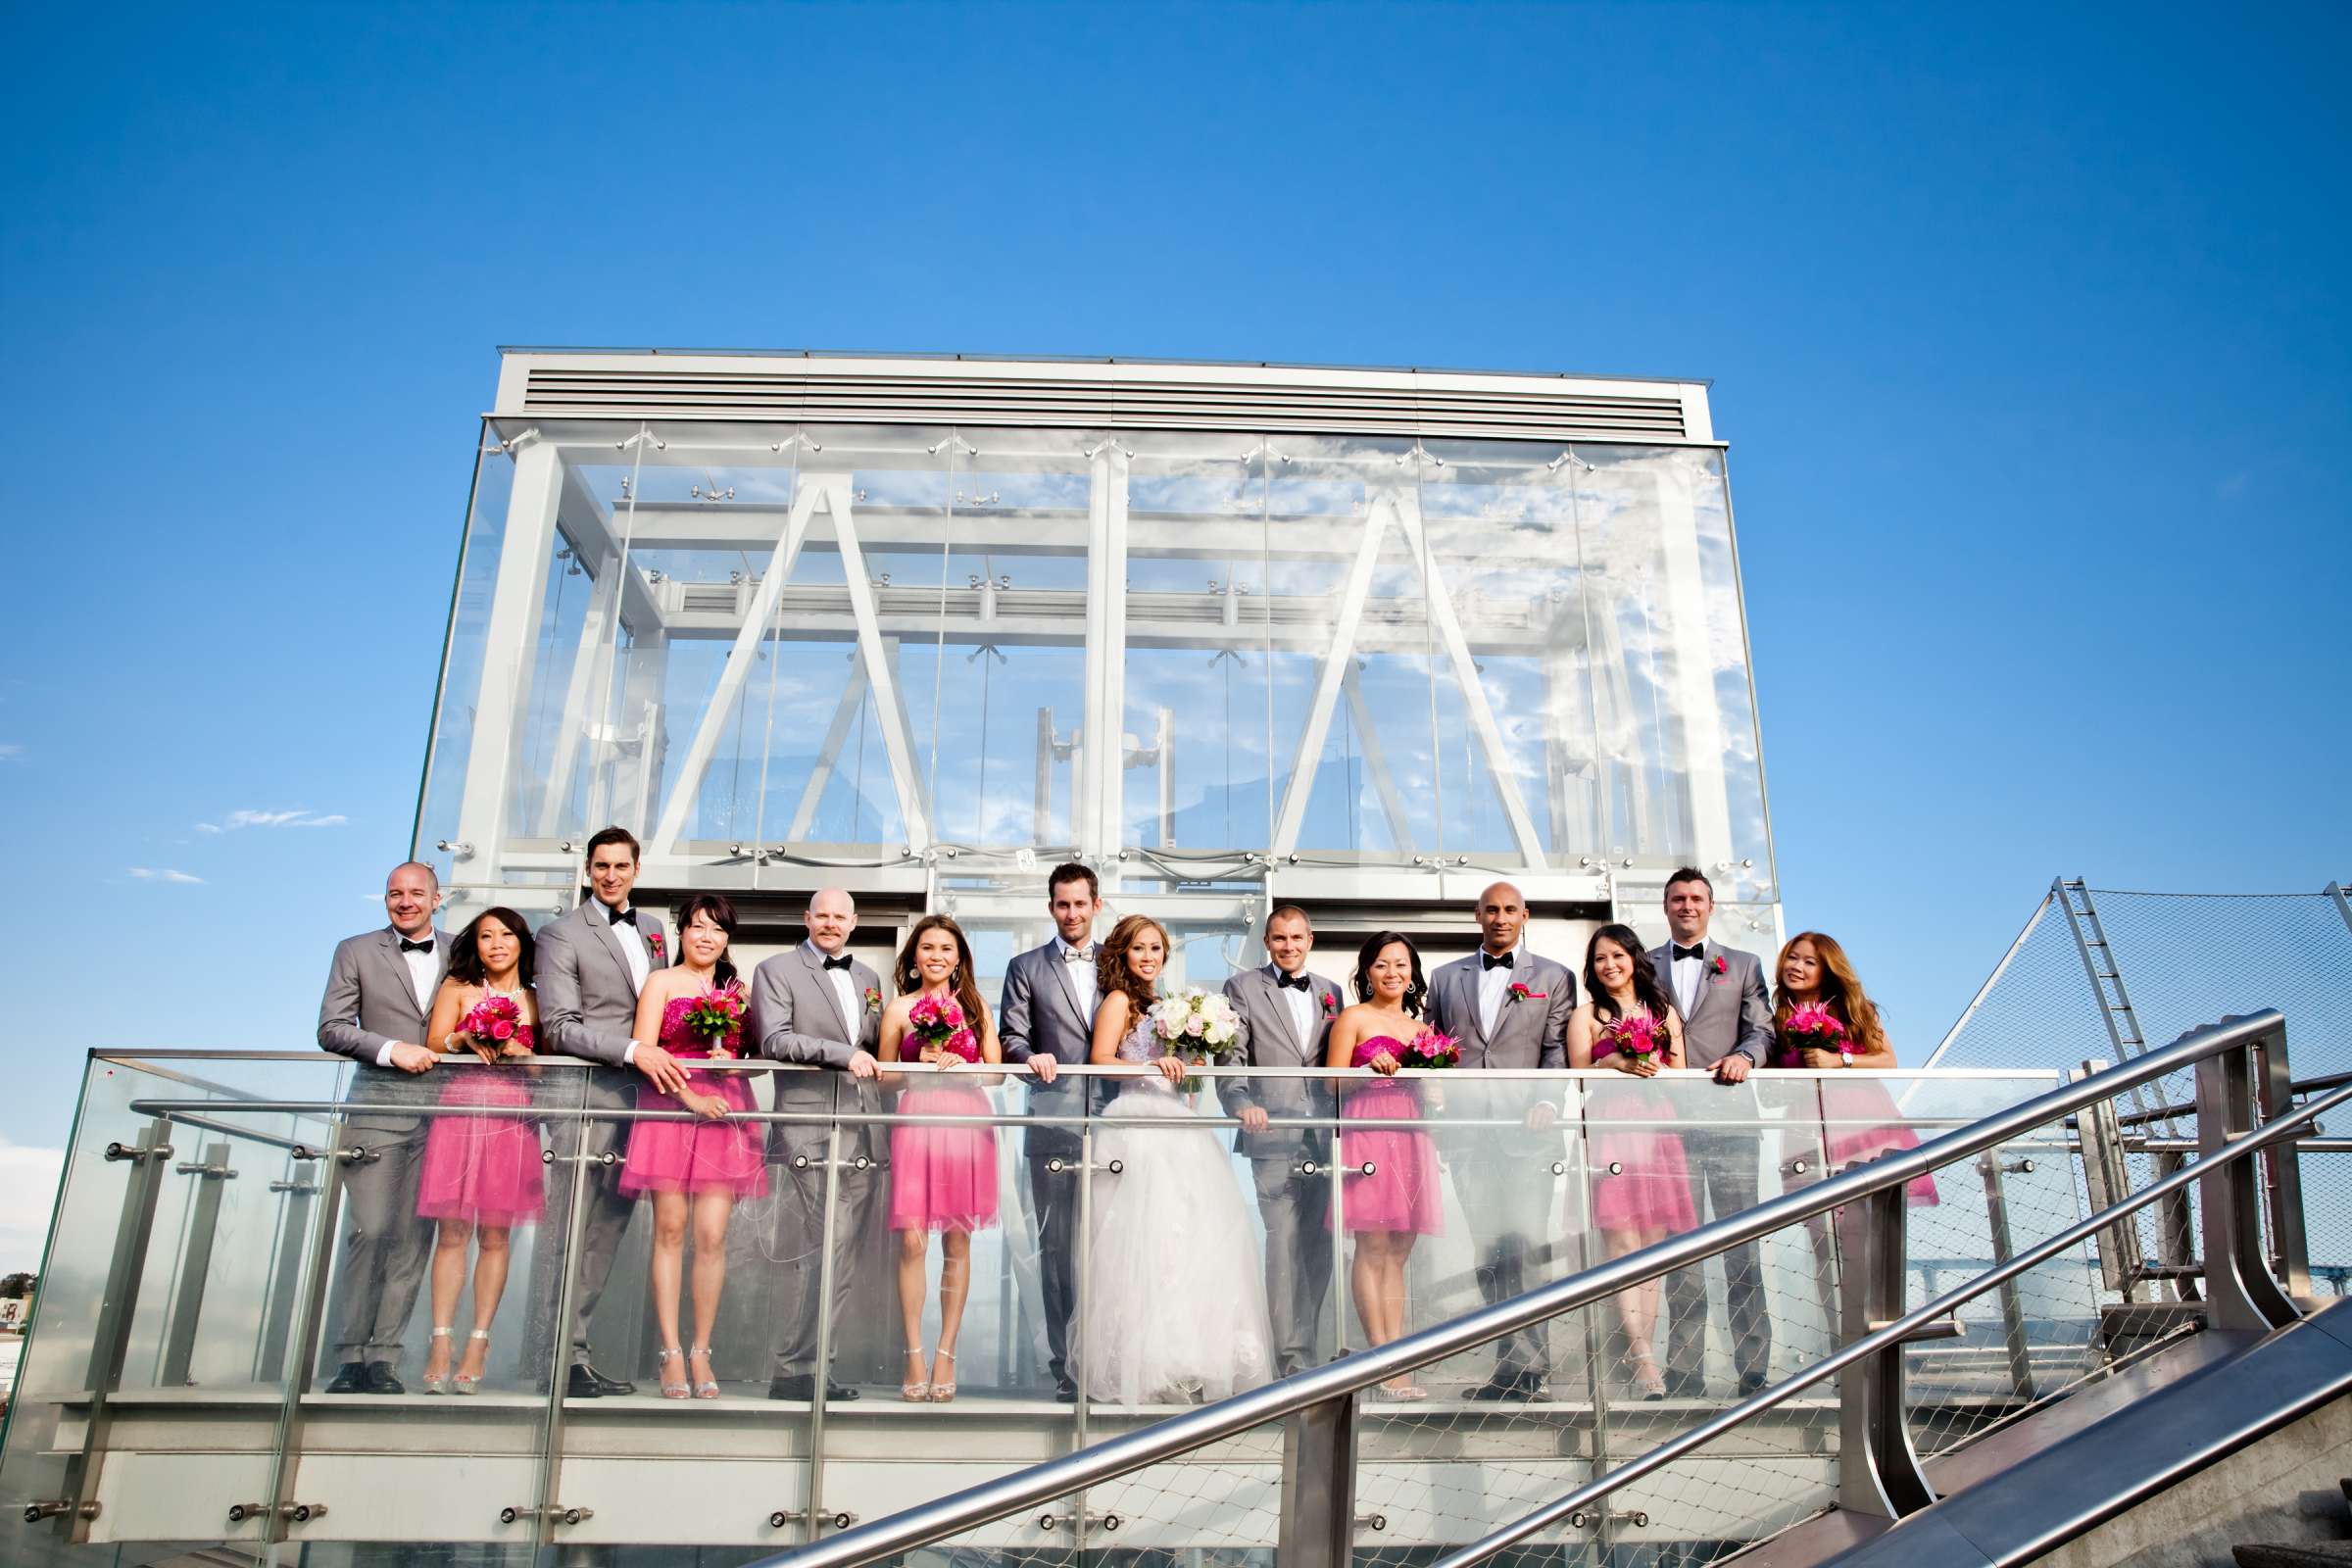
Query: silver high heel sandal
{"x": 469, "y": 1382}
{"x": 669, "y": 1390}
{"x": 915, "y": 1392}
{"x": 432, "y": 1384}
{"x": 708, "y": 1388}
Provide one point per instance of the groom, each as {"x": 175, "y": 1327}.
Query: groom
{"x": 1510, "y": 1008}
{"x": 379, "y": 993}
{"x": 1047, "y": 1023}
{"x": 1286, "y": 1023}
{"x": 1727, "y": 1028}
{"x": 589, "y": 968}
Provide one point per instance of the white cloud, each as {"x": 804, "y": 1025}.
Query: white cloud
{"x": 10, "y": 751}
{"x": 149, "y": 873}
{"x": 29, "y": 1179}
{"x": 243, "y": 819}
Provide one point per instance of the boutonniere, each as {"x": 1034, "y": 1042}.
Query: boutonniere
{"x": 874, "y": 1001}
{"x": 652, "y": 943}
{"x": 1331, "y": 1005}
{"x": 1520, "y": 993}
{"x": 1721, "y": 967}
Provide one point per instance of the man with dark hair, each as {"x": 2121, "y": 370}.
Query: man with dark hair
{"x": 1046, "y": 1022}
{"x": 1286, "y": 1023}
{"x": 1508, "y": 1007}
{"x": 1726, "y": 1029}
{"x": 589, "y": 968}
{"x": 379, "y": 993}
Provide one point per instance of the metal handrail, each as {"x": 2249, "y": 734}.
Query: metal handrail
{"x": 944, "y": 1517}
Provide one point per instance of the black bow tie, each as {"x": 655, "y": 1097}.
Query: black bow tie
{"x": 1296, "y": 982}
{"x": 1495, "y": 960}
{"x": 406, "y": 945}
{"x": 842, "y": 962}
{"x": 628, "y": 917}
{"x": 1680, "y": 953}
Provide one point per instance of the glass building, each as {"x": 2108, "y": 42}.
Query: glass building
{"x": 1234, "y": 634}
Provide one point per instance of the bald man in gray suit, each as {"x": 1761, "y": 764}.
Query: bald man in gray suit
{"x": 379, "y": 993}
{"x": 818, "y": 1006}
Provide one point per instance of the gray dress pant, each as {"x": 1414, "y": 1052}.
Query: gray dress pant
{"x": 1723, "y": 1176}
{"x": 386, "y": 1246}
{"x": 799, "y": 1240}
{"x": 1298, "y": 1250}
{"x": 1506, "y": 1192}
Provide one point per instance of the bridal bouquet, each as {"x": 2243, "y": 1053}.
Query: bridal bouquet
{"x": 1635, "y": 1036}
{"x": 497, "y": 1022}
{"x": 939, "y": 1023}
{"x": 1430, "y": 1049}
{"x": 717, "y": 1017}
{"x": 1195, "y": 1023}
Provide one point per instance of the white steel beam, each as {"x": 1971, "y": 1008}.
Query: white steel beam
{"x": 1686, "y": 605}
{"x": 590, "y": 682}
{"x": 837, "y": 736}
{"x": 881, "y": 674}
{"x": 1098, "y": 766}
{"x": 1376, "y": 761}
{"x": 1337, "y": 661}
{"x": 757, "y": 621}
{"x": 510, "y": 638}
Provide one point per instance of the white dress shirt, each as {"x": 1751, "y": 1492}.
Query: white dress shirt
{"x": 1086, "y": 991}
{"x": 632, "y": 945}
{"x": 424, "y": 975}
{"x": 1687, "y": 974}
{"x": 1494, "y": 984}
{"x": 1302, "y": 1005}
{"x": 844, "y": 988}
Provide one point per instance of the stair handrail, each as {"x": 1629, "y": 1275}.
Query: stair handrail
{"x": 1333, "y": 1385}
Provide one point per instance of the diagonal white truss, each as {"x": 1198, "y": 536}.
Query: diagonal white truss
{"x": 828, "y": 494}
{"x": 1397, "y": 508}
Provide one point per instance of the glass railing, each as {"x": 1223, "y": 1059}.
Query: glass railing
{"x": 233, "y": 1231}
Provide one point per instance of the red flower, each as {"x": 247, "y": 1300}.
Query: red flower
{"x": 1520, "y": 993}
{"x": 1331, "y": 1005}
{"x": 1721, "y": 966}
{"x": 653, "y": 940}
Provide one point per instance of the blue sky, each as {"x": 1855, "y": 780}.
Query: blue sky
{"x": 2028, "y": 329}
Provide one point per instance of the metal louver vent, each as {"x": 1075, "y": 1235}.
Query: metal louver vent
{"x": 830, "y": 397}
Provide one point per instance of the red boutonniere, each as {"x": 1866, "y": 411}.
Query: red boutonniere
{"x": 874, "y": 999}
{"x": 1331, "y": 1005}
{"x": 652, "y": 943}
{"x": 1520, "y": 993}
{"x": 1721, "y": 967}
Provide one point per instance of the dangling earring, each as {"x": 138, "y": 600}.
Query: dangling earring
{"x": 956, "y": 978}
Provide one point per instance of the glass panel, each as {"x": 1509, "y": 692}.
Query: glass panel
{"x": 464, "y": 652}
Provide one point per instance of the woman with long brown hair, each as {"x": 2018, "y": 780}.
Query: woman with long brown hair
{"x": 1175, "y": 1305}
{"x": 942, "y": 1178}
{"x": 1822, "y": 1019}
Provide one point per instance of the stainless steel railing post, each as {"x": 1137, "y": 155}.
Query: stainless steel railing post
{"x": 212, "y": 1176}
{"x": 2240, "y": 1293}
{"x": 1318, "y": 1487}
{"x": 2283, "y": 1168}
{"x": 1878, "y": 1470}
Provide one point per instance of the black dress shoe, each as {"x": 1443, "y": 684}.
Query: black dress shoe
{"x": 380, "y": 1379}
{"x": 581, "y": 1384}
{"x": 1751, "y": 1383}
{"x": 1502, "y": 1386}
{"x": 792, "y": 1385}
{"x": 1685, "y": 1386}
{"x": 1065, "y": 1394}
{"x": 610, "y": 1388}
{"x": 350, "y": 1378}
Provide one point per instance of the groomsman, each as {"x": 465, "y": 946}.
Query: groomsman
{"x": 818, "y": 1005}
{"x": 1286, "y": 1023}
{"x": 1510, "y": 1008}
{"x": 379, "y": 992}
{"x": 1047, "y": 1022}
{"x": 1727, "y": 1027}
{"x": 589, "y": 968}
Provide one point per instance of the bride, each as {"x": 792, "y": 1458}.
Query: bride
{"x": 1174, "y": 1304}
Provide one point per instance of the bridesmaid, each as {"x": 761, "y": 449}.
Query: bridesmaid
{"x": 1862, "y": 1119}
{"x": 1648, "y": 1198}
{"x": 1388, "y": 1211}
{"x": 942, "y": 1178}
{"x": 696, "y": 1169}
{"x": 482, "y": 1174}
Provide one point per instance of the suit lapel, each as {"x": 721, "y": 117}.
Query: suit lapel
{"x": 1282, "y": 1009}
{"x": 824, "y": 988}
{"x": 1467, "y": 987}
{"x": 594, "y": 912}
{"x": 396, "y": 968}
{"x": 1069, "y": 986}
{"x": 1700, "y": 988}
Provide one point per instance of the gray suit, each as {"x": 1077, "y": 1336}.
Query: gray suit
{"x": 1049, "y": 1012}
{"x": 797, "y": 1017}
{"x": 1729, "y": 1013}
{"x": 1504, "y": 1176}
{"x": 1292, "y": 1202}
{"x": 371, "y": 1000}
{"x": 588, "y": 1009}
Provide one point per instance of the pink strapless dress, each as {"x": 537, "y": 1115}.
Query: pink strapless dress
{"x": 1402, "y": 1193}
{"x": 1650, "y": 1189}
{"x": 1863, "y": 1124}
{"x": 694, "y": 1155}
{"x": 483, "y": 1168}
{"x": 942, "y": 1178}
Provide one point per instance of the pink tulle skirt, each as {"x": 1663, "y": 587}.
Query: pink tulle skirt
{"x": 483, "y": 1168}
{"x": 697, "y": 1156}
{"x": 942, "y": 1178}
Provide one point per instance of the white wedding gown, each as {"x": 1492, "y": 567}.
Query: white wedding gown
{"x": 1174, "y": 1297}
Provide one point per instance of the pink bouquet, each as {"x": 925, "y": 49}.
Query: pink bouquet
{"x": 1812, "y": 1027}
{"x": 497, "y": 1021}
{"x": 1636, "y": 1035}
{"x": 937, "y": 1022}
{"x": 717, "y": 1017}
{"x": 1430, "y": 1049}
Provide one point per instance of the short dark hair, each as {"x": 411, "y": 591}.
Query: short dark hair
{"x": 465, "y": 964}
{"x": 614, "y": 835}
{"x": 1282, "y": 911}
{"x": 1071, "y": 871}
{"x": 1689, "y": 873}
